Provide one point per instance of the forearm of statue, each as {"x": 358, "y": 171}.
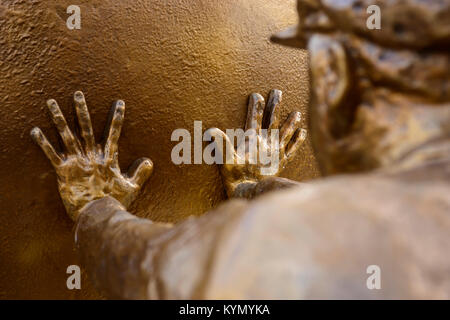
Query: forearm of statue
{"x": 118, "y": 249}
{"x": 134, "y": 258}
{"x": 243, "y": 173}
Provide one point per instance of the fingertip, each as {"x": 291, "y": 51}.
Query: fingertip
{"x": 275, "y": 93}
{"x": 146, "y": 166}
{"x": 39, "y": 138}
{"x": 120, "y": 104}
{"x": 256, "y": 97}
{"x": 53, "y": 106}
{"x": 119, "y": 108}
{"x": 147, "y": 163}
{"x": 296, "y": 116}
{"x": 78, "y": 96}
{"x": 35, "y": 133}
{"x": 141, "y": 170}
{"x": 51, "y": 103}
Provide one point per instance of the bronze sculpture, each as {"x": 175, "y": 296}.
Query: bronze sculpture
{"x": 173, "y": 62}
{"x": 312, "y": 241}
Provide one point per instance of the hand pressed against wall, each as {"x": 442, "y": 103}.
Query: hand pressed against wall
{"x": 89, "y": 171}
{"x": 262, "y": 120}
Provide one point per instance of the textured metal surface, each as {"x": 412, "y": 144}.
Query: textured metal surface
{"x": 172, "y": 62}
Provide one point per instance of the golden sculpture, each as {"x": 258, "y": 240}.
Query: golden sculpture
{"x": 172, "y": 62}
{"x": 92, "y": 186}
{"x": 377, "y": 103}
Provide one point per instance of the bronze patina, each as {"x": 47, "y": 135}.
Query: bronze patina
{"x": 380, "y": 109}
{"x": 173, "y": 62}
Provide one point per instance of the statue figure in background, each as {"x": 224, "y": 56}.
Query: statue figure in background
{"x": 380, "y": 110}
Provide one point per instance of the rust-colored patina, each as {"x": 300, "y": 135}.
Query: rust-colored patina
{"x": 172, "y": 62}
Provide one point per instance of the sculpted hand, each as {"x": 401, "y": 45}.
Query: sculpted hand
{"x": 266, "y": 149}
{"x": 91, "y": 171}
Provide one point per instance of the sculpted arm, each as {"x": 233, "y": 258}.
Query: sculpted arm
{"x": 119, "y": 250}
{"x": 134, "y": 258}
{"x": 112, "y": 243}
